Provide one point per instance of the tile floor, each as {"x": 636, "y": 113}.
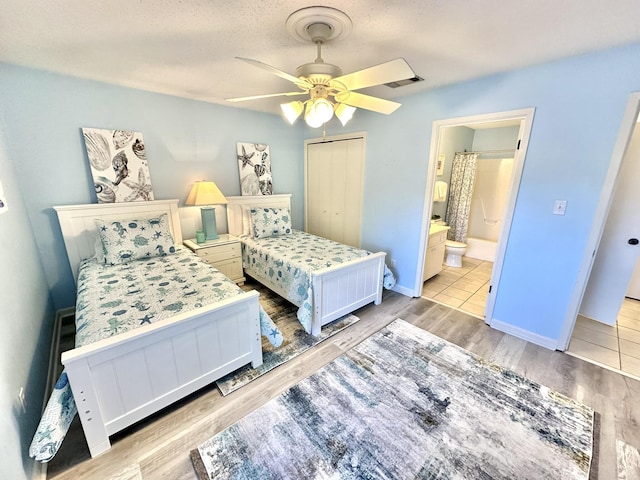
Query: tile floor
{"x": 616, "y": 347}
{"x": 465, "y": 288}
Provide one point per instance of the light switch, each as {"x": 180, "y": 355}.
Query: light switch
{"x": 559, "y": 207}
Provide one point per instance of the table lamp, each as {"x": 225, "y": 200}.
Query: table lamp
{"x": 206, "y": 193}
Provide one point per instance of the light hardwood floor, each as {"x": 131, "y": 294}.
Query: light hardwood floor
{"x": 158, "y": 448}
{"x": 616, "y": 347}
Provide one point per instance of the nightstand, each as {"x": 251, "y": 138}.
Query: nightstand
{"x": 223, "y": 253}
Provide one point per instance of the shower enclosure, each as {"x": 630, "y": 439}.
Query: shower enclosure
{"x": 490, "y": 194}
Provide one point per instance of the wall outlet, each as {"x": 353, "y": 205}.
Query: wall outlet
{"x": 393, "y": 263}
{"x": 22, "y": 400}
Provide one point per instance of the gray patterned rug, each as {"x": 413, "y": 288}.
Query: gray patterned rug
{"x": 296, "y": 340}
{"x": 406, "y": 404}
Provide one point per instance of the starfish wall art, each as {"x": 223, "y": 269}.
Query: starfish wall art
{"x": 254, "y": 163}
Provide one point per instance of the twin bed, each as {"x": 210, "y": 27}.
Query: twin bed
{"x": 332, "y": 279}
{"x": 161, "y": 333}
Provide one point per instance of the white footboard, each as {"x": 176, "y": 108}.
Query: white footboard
{"x": 343, "y": 288}
{"x": 123, "y": 379}
{"x": 339, "y": 289}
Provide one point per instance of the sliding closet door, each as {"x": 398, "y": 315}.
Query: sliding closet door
{"x": 333, "y": 180}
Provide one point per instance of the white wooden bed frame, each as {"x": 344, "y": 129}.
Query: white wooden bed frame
{"x": 337, "y": 290}
{"x": 123, "y": 379}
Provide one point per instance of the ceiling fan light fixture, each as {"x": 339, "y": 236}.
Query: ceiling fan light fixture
{"x": 311, "y": 118}
{"x": 322, "y": 81}
{"x": 344, "y": 113}
{"x": 292, "y": 110}
{"x": 322, "y": 109}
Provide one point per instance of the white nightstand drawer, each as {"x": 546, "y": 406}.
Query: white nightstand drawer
{"x": 223, "y": 253}
{"x": 220, "y": 252}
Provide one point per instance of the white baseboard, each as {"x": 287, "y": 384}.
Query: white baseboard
{"x": 402, "y": 290}
{"x": 546, "y": 342}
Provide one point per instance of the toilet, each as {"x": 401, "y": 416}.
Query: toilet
{"x": 453, "y": 253}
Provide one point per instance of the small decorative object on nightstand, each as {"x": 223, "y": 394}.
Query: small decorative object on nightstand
{"x": 223, "y": 253}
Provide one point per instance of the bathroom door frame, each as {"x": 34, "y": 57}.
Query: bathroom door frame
{"x": 525, "y": 117}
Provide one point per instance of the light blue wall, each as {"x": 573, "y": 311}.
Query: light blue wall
{"x": 579, "y": 104}
{"x": 185, "y": 140}
{"x": 26, "y": 320}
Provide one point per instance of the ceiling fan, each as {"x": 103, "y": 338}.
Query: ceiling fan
{"x": 330, "y": 91}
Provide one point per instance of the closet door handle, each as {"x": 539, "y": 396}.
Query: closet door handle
{"x": 633, "y": 241}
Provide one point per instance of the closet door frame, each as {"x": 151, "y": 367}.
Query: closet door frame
{"x": 329, "y": 139}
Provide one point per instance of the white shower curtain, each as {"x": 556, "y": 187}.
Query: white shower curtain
{"x": 463, "y": 175}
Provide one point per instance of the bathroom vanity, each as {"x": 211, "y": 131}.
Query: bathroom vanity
{"x": 435, "y": 250}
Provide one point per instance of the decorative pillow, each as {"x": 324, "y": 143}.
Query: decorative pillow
{"x": 247, "y": 224}
{"x": 127, "y": 240}
{"x": 99, "y": 249}
{"x": 270, "y": 222}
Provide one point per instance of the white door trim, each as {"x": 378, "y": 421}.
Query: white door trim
{"x": 526, "y": 121}
{"x": 627, "y": 126}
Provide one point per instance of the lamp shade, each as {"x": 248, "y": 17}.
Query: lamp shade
{"x": 292, "y": 110}
{"x": 205, "y": 193}
{"x": 322, "y": 109}
{"x": 344, "y": 113}
{"x": 311, "y": 118}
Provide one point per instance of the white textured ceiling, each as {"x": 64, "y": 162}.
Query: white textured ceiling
{"x": 187, "y": 47}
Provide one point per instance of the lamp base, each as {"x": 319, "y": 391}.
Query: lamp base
{"x": 208, "y": 215}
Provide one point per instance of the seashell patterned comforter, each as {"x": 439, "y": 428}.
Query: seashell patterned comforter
{"x": 115, "y": 299}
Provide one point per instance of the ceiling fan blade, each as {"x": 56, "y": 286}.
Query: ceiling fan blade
{"x": 268, "y": 95}
{"x": 367, "y": 102}
{"x": 275, "y": 71}
{"x": 391, "y": 71}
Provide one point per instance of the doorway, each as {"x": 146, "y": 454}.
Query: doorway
{"x": 522, "y": 120}
{"x": 607, "y": 327}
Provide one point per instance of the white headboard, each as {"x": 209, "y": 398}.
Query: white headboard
{"x": 238, "y": 206}
{"x": 80, "y": 234}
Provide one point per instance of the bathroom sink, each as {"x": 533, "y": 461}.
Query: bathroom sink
{"x": 435, "y": 228}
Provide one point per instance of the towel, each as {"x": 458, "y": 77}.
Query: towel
{"x": 440, "y": 191}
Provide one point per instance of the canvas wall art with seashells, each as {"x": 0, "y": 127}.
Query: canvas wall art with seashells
{"x": 254, "y": 163}
{"x": 119, "y": 166}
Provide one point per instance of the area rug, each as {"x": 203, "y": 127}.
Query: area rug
{"x": 406, "y": 404}
{"x": 296, "y": 340}
{"x": 628, "y": 461}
